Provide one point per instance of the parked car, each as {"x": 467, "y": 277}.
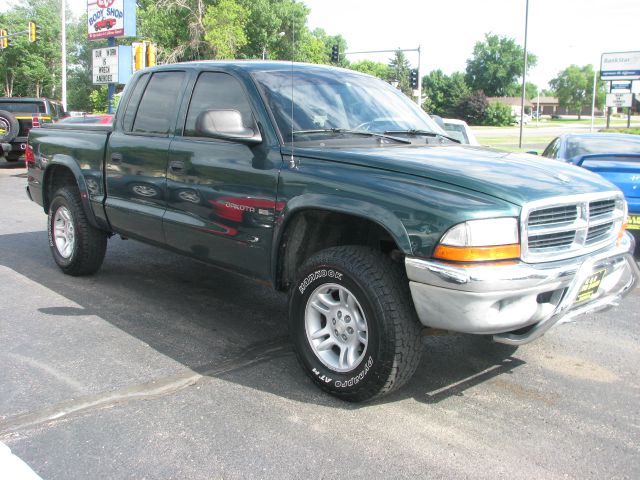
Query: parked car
{"x": 614, "y": 156}
{"x": 526, "y": 117}
{"x": 98, "y": 119}
{"x": 459, "y": 130}
{"x": 16, "y": 116}
{"x": 333, "y": 186}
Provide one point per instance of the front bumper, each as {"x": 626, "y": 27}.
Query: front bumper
{"x": 502, "y": 299}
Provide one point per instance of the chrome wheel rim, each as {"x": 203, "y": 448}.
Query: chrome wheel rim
{"x": 4, "y": 126}
{"x": 64, "y": 232}
{"x": 336, "y": 327}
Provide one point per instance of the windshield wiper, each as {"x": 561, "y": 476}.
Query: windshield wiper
{"x": 352, "y": 132}
{"x": 421, "y": 132}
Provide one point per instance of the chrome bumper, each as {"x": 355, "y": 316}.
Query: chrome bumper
{"x": 500, "y": 299}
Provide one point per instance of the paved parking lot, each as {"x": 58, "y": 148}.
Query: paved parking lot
{"x": 160, "y": 367}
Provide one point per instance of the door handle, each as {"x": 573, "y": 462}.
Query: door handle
{"x": 116, "y": 158}
{"x": 177, "y": 166}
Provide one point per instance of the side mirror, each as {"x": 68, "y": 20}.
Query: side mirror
{"x": 226, "y": 125}
{"x": 532, "y": 152}
{"x": 438, "y": 120}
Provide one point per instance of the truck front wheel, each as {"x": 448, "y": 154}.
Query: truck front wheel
{"x": 352, "y": 323}
{"x": 77, "y": 247}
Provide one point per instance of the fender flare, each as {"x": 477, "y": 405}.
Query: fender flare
{"x": 338, "y": 204}
{"x": 71, "y": 164}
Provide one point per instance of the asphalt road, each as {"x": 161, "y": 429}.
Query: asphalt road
{"x": 159, "y": 367}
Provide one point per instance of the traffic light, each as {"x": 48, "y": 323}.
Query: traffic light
{"x": 138, "y": 56}
{"x": 151, "y": 54}
{"x": 335, "y": 54}
{"x": 413, "y": 78}
{"x": 34, "y": 31}
{"x": 4, "y": 39}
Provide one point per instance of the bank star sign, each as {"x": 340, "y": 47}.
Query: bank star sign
{"x": 111, "y": 18}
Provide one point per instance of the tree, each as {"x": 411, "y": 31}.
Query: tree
{"x": 473, "y": 108}
{"x": 224, "y": 25}
{"x": 399, "y": 69}
{"x": 574, "y": 88}
{"x": 370, "y": 67}
{"x": 443, "y": 93}
{"x": 496, "y": 65}
{"x": 30, "y": 69}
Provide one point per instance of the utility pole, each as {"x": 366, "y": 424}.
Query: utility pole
{"x": 63, "y": 34}
{"x": 524, "y": 72}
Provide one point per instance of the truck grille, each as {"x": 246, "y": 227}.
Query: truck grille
{"x": 570, "y": 226}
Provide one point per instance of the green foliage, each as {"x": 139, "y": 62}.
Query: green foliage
{"x": 224, "y": 25}
{"x": 574, "y": 88}
{"x": 32, "y": 69}
{"x": 400, "y": 69}
{"x": 498, "y": 114}
{"x": 443, "y": 93}
{"x": 376, "y": 69}
{"x": 496, "y": 65}
{"x": 473, "y": 108}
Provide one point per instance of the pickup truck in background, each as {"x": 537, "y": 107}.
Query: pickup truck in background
{"x": 335, "y": 187}
{"x": 16, "y": 119}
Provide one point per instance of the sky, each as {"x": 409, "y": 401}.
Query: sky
{"x": 561, "y": 32}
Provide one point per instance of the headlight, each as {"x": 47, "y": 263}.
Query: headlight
{"x": 480, "y": 240}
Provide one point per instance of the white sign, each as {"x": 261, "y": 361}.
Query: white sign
{"x": 105, "y": 65}
{"x": 620, "y": 66}
{"x": 619, "y": 99}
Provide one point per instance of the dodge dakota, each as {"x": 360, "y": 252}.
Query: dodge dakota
{"x": 335, "y": 187}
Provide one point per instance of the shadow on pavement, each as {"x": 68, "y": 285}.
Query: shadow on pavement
{"x": 204, "y": 317}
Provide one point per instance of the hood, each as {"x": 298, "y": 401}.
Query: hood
{"x": 514, "y": 177}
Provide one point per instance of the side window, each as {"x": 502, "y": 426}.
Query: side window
{"x": 552, "y": 150}
{"x": 159, "y": 103}
{"x": 217, "y": 91}
{"x": 134, "y": 100}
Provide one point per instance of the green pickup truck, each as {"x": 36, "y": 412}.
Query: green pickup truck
{"x": 333, "y": 186}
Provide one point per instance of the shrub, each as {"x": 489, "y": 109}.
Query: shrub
{"x": 498, "y": 115}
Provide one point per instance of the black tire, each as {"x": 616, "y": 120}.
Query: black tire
{"x": 89, "y": 243}
{"x": 9, "y": 126}
{"x": 394, "y": 344}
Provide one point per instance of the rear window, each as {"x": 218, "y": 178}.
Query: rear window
{"x": 456, "y": 131}
{"x": 23, "y": 107}
{"x": 584, "y": 146}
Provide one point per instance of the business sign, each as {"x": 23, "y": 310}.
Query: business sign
{"x": 620, "y": 66}
{"x": 111, "y": 65}
{"x": 619, "y": 99}
{"x": 111, "y": 18}
{"x": 624, "y": 86}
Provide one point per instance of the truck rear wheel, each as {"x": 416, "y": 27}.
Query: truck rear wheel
{"x": 352, "y": 323}
{"x": 77, "y": 247}
{"x": 9, "y": 126}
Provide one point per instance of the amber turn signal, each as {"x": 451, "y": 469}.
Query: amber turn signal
{"x": 477, "y": 254}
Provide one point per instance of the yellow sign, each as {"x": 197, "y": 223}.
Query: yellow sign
{"x": 590, "y": 286}
{"x": 634, "y": 222}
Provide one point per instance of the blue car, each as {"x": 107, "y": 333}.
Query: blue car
{"x": 614, "y": 156}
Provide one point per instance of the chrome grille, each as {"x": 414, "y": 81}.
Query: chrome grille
{"x": 604, "y": 207}
{"x": 567, "y": 213}
{"x": 569, "y": 226}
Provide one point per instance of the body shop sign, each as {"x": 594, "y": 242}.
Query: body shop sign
{"x": 111, "y": 18}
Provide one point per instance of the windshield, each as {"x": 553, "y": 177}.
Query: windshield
{"x": 335, "y": 99}
{"x": 22, "y": 107}
{"x": 584, "y": 146}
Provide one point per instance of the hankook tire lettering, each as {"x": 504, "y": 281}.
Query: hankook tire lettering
{"x": 316, "y": 275}
{"x": 355, "y": 380}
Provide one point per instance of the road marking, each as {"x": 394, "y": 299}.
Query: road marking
{"x": 14, "y": 468}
